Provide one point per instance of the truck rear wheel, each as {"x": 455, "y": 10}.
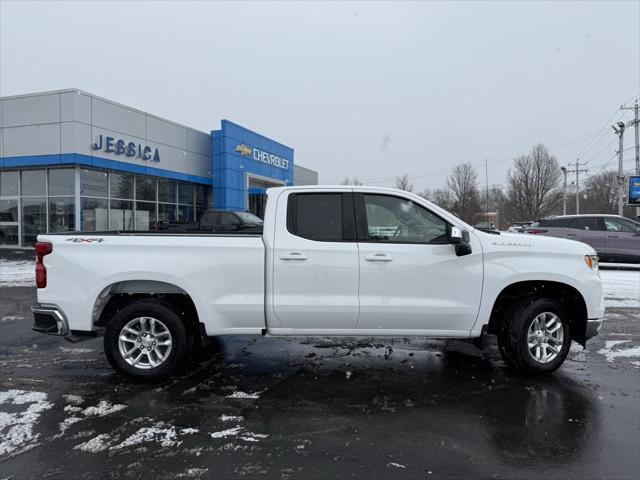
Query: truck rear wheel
{"x": 145, "y": 341}
{"x": 535, "y": 336}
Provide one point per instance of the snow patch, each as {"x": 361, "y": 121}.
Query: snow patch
{"x": 396, "y": 465}
{"x": 74, "y": 399}
{"x": 612, "y": 353}
{"x": 253, "y": 437}
{"x": 240, "y": 394}
{"x": 17, "y": 428}
{"x": 17, "y": 273}
{"x": 621, "y": 288}
{"x": 193, "y": 473}
{"x": 227, "y": 433}
{"x": 231, "y": 418}
{"x": 66, "y": 423}
{"x": 166, "y": 436}
{"x": 96, "y": 444}
{"x": 103, "y": 408}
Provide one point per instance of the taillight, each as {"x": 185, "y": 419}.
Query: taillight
{"x": 536, "y": 231}
{"x": 42, "y": 249}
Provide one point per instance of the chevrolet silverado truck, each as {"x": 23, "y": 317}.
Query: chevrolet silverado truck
{"x": 343, "y": 261}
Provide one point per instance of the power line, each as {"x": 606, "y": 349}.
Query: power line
{"x": 490, "y": 160}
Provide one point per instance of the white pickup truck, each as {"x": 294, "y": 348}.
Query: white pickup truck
{"x": 347, "y": 261}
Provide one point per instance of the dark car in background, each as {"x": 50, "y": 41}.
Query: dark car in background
{"x": 615, "y": 238}
{"x": 218, "y": 221}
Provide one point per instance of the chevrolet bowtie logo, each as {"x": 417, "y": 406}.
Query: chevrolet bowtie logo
{"x": 243, "y": 150}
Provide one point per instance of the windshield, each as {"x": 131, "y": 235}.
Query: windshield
{"x": 247, "y": 217}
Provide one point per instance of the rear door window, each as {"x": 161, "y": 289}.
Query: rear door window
{"x": 324, "y": 217}
{"x": 589, "y": 223}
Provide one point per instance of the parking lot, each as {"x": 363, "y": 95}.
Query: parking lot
{"x": 320, "y": 407}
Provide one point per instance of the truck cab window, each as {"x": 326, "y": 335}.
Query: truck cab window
{"x": 319, "y": 216}
{"x": 397, "y": 220}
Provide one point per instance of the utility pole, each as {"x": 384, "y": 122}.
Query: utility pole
{"x": 619, "y": 129}
{"x": 635, "y": 122}
{"x": 486, "y": 177}
{"x": 577, "y": 171}
{"x": 564, "y": 191}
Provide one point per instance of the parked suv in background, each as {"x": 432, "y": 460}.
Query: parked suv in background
{"x": 615, "y": 238}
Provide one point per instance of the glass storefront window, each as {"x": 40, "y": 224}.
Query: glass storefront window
{"x": 166, "y": 190}
{"x": 166, "y": 212}
{"x": 146, "y": 189}
{"x": 121, "y": 186}
{"x": 202, "y": 194}
{"x": 34, "y": 219}
{"x": 185, "y": 213}
{"x": 93, "y": 183}
{"x": 185, "y": 193}
{"x": 62, "y": 214}
{"x": 145, "y": 215}
{"x": 9, "y": 210}
{"x": 94, "y": 214}
{"x": 8, "y": 234}
{"x": 34, "y": 183}
{"x": 121, "y": 215}
{"x": 9, "y": 184}
{"x": 62, "y": 181}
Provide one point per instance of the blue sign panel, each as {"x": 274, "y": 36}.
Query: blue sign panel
{"x": 240, "y": 154}
{"x": 634, "y": 190}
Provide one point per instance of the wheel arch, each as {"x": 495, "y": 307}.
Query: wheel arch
{"x": 570, "y": 298}
{"x": 117, "y": 295}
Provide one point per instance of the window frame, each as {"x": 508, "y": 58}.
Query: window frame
{"x": 348, "y": 216}
{"x": 363, "y": 226}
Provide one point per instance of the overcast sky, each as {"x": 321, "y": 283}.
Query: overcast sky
{"x": 371, "y": 90}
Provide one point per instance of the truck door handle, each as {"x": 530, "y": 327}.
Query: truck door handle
{"x": 293, "y": 256}
{"x": 613, "y": 236}
{"x": 571, "y": 234}
{"x": 378, "y": 257}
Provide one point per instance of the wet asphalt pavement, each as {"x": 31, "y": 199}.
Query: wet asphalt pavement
{"x": 317, "y": 408}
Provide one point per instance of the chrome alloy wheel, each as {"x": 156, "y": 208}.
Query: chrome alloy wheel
{"x": 144, "y": 342}
{"x": 545, "y": 337}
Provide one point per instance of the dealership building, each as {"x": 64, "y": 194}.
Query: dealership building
{"x": 72, "y": 161}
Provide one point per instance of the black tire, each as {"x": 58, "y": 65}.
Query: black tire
{"x": 158, "y": 310}
{"x": 513, "y": 335}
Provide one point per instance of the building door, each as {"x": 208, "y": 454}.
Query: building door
{"x": 257, "y": 202}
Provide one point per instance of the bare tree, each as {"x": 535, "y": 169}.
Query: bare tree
{"x": 351, "y": 181}
{"x": 463, "y": 183}
{"x": 533, "y": 184}
{"x": 440, "y": 196}
{"x": 402, "y": 183}
{"x": 602, "y": 196}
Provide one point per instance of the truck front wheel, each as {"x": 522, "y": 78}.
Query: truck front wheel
{"x": 146, "y": 340}
{"x": 535, "y": 336}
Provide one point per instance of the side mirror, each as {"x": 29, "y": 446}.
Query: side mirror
{"x": 455, "y": 235}
{"x": 460, "y": 238}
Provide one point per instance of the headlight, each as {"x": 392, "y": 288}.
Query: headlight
{"x": 592, "y": 262}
